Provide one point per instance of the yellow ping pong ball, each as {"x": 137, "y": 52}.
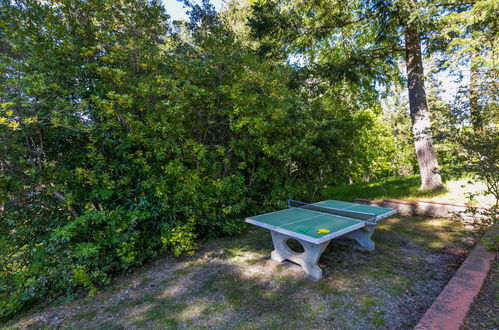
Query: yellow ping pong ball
{"x": 323, "y": 231}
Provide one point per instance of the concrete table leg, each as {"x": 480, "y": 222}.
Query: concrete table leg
{"x": 307, "y": 260}
{"x": 363, "y": 237}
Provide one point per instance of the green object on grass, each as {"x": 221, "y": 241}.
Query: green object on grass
{"x": 314, "y": 225}
{"x": 310, "y": 221}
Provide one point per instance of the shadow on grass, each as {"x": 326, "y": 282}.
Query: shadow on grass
{"x": 404, "y": 187}
{"x": 233, "y": 283}
{"x": 236, "y": 285}
{"x": 219, "y": 295}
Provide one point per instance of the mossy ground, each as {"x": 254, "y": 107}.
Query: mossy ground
{"x": 232, "y": 283}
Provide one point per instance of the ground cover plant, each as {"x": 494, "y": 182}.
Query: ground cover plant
{"x": 232, "y": 282}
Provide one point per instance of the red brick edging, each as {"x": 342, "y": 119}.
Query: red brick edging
{"x": 450, "y": 308}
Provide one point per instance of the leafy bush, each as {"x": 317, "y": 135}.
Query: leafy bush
{"x": 121, "y": 140}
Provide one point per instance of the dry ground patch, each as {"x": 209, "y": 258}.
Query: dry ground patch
{"x": 232, "y": 283}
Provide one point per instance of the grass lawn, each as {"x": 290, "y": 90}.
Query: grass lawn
{"x": 406, "y": 187}
{"x": 232, "y": 283}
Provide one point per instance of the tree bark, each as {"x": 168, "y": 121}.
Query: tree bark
{"x": 475, "y": 111}
{"x": 420, "y": 114}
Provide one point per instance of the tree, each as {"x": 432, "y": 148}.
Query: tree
{"x": 361, "y": 41}
{"x": 471, "y": 37}
{"x": 420, "y": 114}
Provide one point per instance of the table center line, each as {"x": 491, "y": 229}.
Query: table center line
{"x": 331, "y": 214}
{"x": 290, "y": 223}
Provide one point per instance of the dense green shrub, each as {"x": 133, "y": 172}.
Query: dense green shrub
{"x": 121, "y": 140}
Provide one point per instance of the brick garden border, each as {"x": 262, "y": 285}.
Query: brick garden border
{"x": 452, "y": 305}
{"x": 450, "y": 308}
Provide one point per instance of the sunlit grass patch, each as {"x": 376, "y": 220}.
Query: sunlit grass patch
{"x": 423, "y": 231}
{"x": 396, "y": 187}
{"x": 407, "y": 188}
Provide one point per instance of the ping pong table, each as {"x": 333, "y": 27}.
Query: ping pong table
{"x": 315, "y": 225}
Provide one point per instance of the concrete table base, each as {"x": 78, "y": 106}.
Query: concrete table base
{"x": 363, "y": 237}
{"x": 307, "y": 260}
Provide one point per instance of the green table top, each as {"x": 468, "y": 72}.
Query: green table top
{"x": 307, "y": 224}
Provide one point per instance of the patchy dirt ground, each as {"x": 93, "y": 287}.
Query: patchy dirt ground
{"x": 484, "y": 313}
{"x": 232, "y": 283}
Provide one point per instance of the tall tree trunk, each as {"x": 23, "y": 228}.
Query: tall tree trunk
{"x": 475, "y": 112}
{"x": 420, "y": 115}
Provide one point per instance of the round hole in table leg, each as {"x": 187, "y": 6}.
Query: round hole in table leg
{"x": 295, "y": 246}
